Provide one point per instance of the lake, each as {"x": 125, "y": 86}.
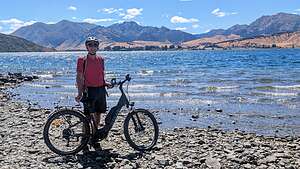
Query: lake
{"x": 257, "y": 90}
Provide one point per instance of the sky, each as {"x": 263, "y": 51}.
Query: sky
{"x": 193, "y": 16}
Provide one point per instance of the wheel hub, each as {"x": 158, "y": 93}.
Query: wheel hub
{"x": 67, "y": 133}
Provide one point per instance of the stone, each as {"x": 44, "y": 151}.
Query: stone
{"x": 164, "y": 162}
{"x": 281, "y": 155}
{"x": 179, "y": 165}
{"x": 248, "y": 166}
{"x": 127, "y": 166}
{"x": 213, "y": 163}
{"x": 158, "y": 147}
{"x": 79, "y": 166}
{"x": 247, "y": 145}
{"x": 195, "y": 116}
{"x": 268, "y": 159}
{"x": 186, "y": 161}
{"x": 32, "y": 151}
{"x": 262, "y": 167}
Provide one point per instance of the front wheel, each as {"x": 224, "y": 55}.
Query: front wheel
{"x": 141, "y": 129}
{"x": 66, "y": 132}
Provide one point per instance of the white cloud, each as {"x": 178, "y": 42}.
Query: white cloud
{"x": 195, "y": 26}
{"x": 217, "y": 12}
{"x": 110, "y": 10}
{"x": 122, "y": 14}
{"x": 298, "y": 10}
{"x": 132, "y": 13}
{"x": 181, "y": 28}
{"x": 74, "y": 17}
{"x": 72, "y": 8}
{"x": 179, "y": 19}
{"x": 10, "y": 25}
{"x": 94, "y": 21}
{"x": 120, "y": 21}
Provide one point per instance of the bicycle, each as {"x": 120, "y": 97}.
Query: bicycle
{"x": 67, "y": 131}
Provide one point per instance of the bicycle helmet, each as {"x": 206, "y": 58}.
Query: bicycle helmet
{"x": 91, "y": 39}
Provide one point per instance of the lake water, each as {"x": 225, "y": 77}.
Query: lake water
{"x": 258, "y": 90}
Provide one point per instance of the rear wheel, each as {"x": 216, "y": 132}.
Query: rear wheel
{"x": 66, "y": 132}
{"x": 141, "y": 129}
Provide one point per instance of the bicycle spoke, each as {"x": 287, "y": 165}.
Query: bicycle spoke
{"x": 67, "y": 120}
{"x": 74, "y": 124}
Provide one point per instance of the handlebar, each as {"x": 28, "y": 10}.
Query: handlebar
{"x": 114, "y": 81}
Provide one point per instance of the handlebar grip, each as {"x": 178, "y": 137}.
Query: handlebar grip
{"x": 127, "y": 77}
{"x": 113, "y": 81}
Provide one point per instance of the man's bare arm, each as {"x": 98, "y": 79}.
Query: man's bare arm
{"x": 80, "y": 83}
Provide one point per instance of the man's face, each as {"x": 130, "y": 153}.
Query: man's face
{"x": 92, "y": 47}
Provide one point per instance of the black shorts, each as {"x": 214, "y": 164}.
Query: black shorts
{"x": 95, "y": 101}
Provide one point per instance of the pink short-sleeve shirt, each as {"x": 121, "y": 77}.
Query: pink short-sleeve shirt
{"x": 94, "y": 71}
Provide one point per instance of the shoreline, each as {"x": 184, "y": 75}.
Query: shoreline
{"x": 217, "y": 49}
{"x": 22, "y": 145}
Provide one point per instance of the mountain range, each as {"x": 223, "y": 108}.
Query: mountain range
{"x": 67, "y": 35}
{"x": 265, "y": 25}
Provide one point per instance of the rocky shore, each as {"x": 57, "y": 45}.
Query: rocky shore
{"x": 22, "y": 145}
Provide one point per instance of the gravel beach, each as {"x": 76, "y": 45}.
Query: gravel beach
{"x": 22, "y": 144}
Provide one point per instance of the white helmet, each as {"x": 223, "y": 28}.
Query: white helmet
{"x": 91, "y": 39}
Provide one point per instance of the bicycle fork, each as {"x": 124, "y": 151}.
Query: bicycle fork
{"x": 138, "y": 127}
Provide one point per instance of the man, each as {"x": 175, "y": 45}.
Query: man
{"x": 91, "y": 83}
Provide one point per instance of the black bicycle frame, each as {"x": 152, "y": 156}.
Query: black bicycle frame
{"x": 114, "y": 111}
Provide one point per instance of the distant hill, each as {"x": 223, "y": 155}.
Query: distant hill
{"x": 9, "y": 43}
{"x": 280, "y": 40}
{"x": 66, "y": 35}
{"x": 137, "y": 45}
{"x": 131, "y": 31}
{"x": 203, "y": 42}
{"x": 265, "y": 25}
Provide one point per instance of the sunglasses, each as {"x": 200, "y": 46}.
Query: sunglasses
{"x": 93, "y": 44}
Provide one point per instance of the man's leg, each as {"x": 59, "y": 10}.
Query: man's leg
{"x": 85, "y": 109}
{"x": 97, "y": 117}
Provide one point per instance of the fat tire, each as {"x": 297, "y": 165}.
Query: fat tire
{"x": 127, "y": 135}
{"x": 54, "y": 116}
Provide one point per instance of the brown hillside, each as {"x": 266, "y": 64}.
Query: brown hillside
{"x": 282, "y": 40}
{"x": 202, "y": 42}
